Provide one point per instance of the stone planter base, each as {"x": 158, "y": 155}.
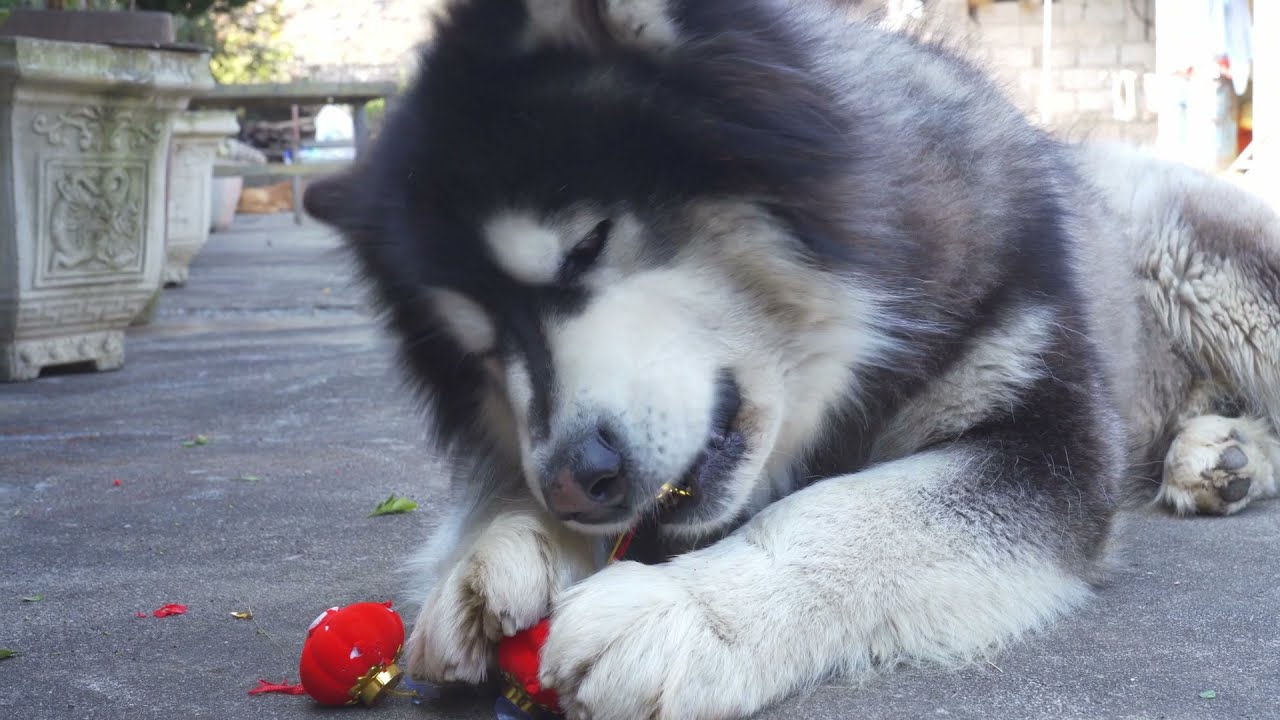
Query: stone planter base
{"x": 195, "y": 144}
{"x": 84, "y": 138}
{"x": 102, "y": 351}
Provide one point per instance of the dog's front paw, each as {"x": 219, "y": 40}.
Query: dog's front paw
{"x": 1215, "y": 466}
{"x": 632, "y": 642}
{"x": 503, "y": 584}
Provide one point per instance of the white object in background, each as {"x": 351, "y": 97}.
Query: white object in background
{"x": 1046, "y": 67}
{"x": 1238, "y": 43}
{"x": 1153, "y": 92}
{"x": 334, "y": 124}
{"x": 326, "y": 154}
{"x": 1124, "y": 95}
{"x": 1195, "y": 34}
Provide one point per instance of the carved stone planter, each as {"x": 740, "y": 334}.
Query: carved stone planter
{"x": 84, "y": 140}
{"x": 196, "y": 135}
{"x": 226, "y": 196}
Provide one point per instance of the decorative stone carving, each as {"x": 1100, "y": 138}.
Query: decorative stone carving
{"x": 101, "y": 129}
{"x": 95, "y": 222}
{"x": 196, "y": 135}
{"x": 84, "y": 138}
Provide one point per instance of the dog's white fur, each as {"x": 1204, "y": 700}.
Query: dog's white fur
{"x": 511, "y": 569}
{"x": 467, "y": 321}
{"x": 524, "y": 248}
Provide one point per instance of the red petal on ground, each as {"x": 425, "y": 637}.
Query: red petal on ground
{"x": 282, "y": 688}
{"x": 170, "y": 609}
{"x": 139, "y": 614}
{"x": 116, "y": 483}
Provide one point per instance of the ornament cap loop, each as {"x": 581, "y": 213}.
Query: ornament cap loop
{"x": 375, "y": 684}
{"x": 517, "y": 696}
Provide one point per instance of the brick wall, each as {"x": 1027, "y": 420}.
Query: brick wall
{"x": 1093, "y": 44}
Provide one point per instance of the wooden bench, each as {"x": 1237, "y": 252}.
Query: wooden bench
{"x": 356, "y": 95}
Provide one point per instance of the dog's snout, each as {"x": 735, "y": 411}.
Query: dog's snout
{"x": 598, "y": 465}
{"x": 588, "y": 486}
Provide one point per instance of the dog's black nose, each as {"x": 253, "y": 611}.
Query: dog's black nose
{"x": 589, "y": 487}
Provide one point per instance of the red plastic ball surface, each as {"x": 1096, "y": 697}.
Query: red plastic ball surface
{"x": 345, "y": 643}
{"x": 518, "y": 656}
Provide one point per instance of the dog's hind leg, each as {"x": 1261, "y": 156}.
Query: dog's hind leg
{"x": 1207, "y": 256}
{"x": 1218, "y": 465}
{"x": 1209, "y": 264}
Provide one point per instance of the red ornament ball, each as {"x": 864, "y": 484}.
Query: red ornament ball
{"x": 350, "y": 654}
{"x": 518, "y": 657}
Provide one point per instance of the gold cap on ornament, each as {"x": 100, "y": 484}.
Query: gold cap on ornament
{"x": 671, "y": 490}
{"x": 517, "y": 695}
{"x": 380, "y": 681}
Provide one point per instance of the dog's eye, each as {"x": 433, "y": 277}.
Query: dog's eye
{"x": 583, "y": 255}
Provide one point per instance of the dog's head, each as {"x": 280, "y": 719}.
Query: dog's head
{"x": 600, "y": 229}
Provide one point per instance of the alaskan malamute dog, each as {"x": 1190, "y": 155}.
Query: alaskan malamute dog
{"x": 903, "y": 349}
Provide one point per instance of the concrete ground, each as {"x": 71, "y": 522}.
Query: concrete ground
{"x": 268, "y": 353}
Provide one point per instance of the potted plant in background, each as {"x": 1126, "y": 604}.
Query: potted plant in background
{"x": 86, "y": 115}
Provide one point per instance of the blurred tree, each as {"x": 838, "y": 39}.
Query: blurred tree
{"x": 246, "y": 38}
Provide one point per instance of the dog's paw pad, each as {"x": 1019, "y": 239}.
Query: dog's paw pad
{"x": 1235, "y": 490}
{"x": 1232, "y": 459}
{"x": 1230, "y": 478}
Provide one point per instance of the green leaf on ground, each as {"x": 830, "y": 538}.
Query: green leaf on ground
{"x": 1209, "y": 694}
{"x": 6, "y": 653}
{"x": 196, "y": 440}
{"x": 33, "y": 598}
{"x": 393, "y": 505}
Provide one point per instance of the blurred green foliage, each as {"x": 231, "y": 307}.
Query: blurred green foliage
{"x": 247, "y": 43}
